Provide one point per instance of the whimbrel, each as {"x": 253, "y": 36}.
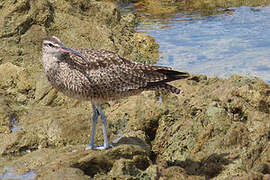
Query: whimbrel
{"x": 100, "y": 76}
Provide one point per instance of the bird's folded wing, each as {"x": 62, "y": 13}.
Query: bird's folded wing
{"x": 109, "y": 70}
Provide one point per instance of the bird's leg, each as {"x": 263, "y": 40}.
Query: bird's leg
{"x": 106, "y": 144}
{"x": 160, "y": 98}
{"x": 94, "y": 123}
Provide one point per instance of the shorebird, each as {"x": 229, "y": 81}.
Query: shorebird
{"x": 99, "y": 76}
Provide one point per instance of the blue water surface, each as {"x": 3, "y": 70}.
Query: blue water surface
{"x": 221, "y": 45}
{"x": 11, "y": 174}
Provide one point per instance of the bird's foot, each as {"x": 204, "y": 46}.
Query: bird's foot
{"x": 104, "y": 147}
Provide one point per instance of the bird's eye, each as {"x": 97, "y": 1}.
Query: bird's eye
{"x": 51, "y": 45}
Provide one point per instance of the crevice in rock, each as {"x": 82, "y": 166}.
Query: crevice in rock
{"x": 94, "y": 166}
{"x": 208, "y": 167}
{"x": 50, "y": 19}
{"x": 239, "y": 114}
{"x": 151, "y": 129}
{"x": 142, "y": 164}
{"x": 264, "y": 106}
{"x": 153, "y": 157}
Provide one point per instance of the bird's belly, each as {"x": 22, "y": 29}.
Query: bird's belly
{"x": 71, "y": 85}
{"x": 96, "y": 96}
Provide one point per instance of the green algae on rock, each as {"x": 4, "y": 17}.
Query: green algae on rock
{"x": 218, "y": 128}
{"x": 84, "y": 164}
{"x": 221, "y": 124}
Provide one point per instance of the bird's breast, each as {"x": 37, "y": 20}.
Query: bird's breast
{"x": 70, "y": 81}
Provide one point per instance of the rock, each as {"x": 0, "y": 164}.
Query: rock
{"x": 176, "y": 172}
{"x": 65, "y": 173}
{"x": 160, "y": 7}
{"x": 146, "y": 46}
{"x": 90, "y": 25}
{"x": 48, "y": 127}
{"x": 55, "y": 163}
{"x": 16, "y": 19}
{"x": 15, "y": 77}
{"x": 124, "y": 167}
{"x": 17, "y": 142}
{"x": 210, "y": 132}
{"x": 5, "y": 115}
{"x": 216, "y": 130}
{"x": 44, "y": 93}
{"x": 205, "y": 7}
{"x": 16, "y": 84}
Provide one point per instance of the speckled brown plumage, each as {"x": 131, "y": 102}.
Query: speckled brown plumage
{"x": 107, "y": 76}
{"x": 100, "y": 75}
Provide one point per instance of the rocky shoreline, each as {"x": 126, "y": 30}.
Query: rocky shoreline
{"x": 218, "y": 128}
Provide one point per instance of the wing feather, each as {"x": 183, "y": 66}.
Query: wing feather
{"x": 110, "y": 72}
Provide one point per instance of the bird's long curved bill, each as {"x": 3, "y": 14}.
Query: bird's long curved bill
{"x": 69, "y": 50}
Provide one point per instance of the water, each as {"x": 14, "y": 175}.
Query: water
{"x": 13, "y": 122}
{"x": 237, "y": 42}
{"x": 11, "y": 174}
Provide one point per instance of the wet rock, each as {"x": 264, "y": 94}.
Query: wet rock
{"x": 160, "y": 7}
{"x": 251, "y": 175}
{"x": 55, "y": 163}
{"x": 204, "y": 7}
{"x": 18, "y": 142}
{"x": 263, "y": 168}
{"x": 151, "y": 172}
{"x": 48, "y": 127}
{"x": 10, "y": 173}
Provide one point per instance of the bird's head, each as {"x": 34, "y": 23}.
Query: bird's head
{"x": 53, "y": 46}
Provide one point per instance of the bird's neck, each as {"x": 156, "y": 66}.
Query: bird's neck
{"x": 50, "y": 62}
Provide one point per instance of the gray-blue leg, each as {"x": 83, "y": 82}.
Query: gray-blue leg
{"x": 94, "y": 123}
{"x": 97, "y": 111}
{"x": 106, "y": 144}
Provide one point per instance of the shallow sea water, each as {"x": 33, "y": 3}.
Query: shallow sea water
{"x": 11, "y": 174}
{"x": 235, "y": 42}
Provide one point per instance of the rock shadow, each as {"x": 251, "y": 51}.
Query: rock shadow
{"x": 208, "y": 167}
{"x": 133, "y": 141}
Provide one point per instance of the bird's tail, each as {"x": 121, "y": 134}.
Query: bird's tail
{"x": 170, "y": 75}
